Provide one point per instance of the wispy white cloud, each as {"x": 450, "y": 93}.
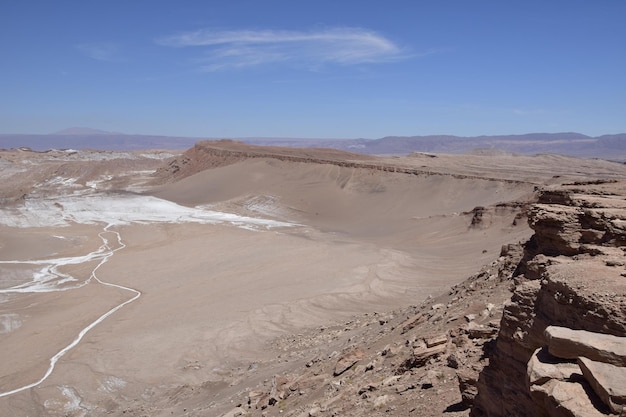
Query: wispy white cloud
{"x": 103, "y": 51}
{"x": 246, "y": 48}
{"x": 527, "y": 111}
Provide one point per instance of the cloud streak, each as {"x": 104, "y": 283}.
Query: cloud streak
{"x": 248, "y": 48}
{"x": 104, "y": 51}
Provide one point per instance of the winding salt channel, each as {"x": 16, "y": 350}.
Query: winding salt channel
{"x": 105, "y": 252}
{"x": 112, "y": 210}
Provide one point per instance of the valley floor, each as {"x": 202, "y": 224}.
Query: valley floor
{"x": 119, "y": 295}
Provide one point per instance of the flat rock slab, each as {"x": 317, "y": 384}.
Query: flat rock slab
{"x": 422, "y": 355}
{"x": 566, "y": 399}
{"x": 478, "y": 331}
{"x": 571, "y": 344}
{"x": 436, "y": 340}
{"x": 543, "y": 367}
{"x": 608, "y": 381}
{"x": 347, "y": 360}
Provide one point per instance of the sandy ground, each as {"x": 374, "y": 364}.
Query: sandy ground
{"x": 213, "y": 294}
{"x": 211, "y": 297}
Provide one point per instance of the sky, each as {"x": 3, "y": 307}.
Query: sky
{"x": 313, "y": 69}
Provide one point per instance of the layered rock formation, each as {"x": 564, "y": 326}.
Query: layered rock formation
{"x": 212, "y": 154}
{"x": 573, "y": 276}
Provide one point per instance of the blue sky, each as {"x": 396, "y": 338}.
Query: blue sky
{"x": 316, "y": 69}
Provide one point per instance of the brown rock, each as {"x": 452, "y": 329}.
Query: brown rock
{"x": 431, "y": 379}
{"x": 452, "y": 361}
{"x": 421, "y": 355}
{"x": 280, "y": 387}
{"x": 608, "y": 381}
{"x": 265, "y": 401}
{"x": 543, "y": 367}
{"x": 477, "y": 331}
{"x": 571, "y": 344}
{"x": 308, "y": 382}
{"x": 569, "y": 399}
{"x": 254, "y": 395}
{"x": 436, "y": 340}
{"x": 411, "y": 322}
{"x": 391, "y": 350}
{"x": 346, "y": 361}
{"x": 468, "y": 385}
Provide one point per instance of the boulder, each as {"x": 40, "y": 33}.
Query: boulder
{"x": 347, "y": 360}
{"x": 608, "y": 381}
{"x": 570, "y": 344}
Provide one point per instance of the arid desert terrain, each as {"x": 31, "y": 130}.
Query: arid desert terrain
{"x": 159, "y": 283}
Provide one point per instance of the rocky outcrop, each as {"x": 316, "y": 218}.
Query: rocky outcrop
{"x": 572, "y": 282}
{"x": 590, "y": 386}
{"x": 482, "y": 217}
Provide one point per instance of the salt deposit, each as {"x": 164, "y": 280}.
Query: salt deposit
{"x": 118, "y": 209}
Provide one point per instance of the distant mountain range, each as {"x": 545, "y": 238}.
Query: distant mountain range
{"x": 574, "y": 144}
{"x": 86, "y": 138}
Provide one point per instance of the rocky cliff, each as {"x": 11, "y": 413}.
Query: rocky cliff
{"x": 561, "y": 348}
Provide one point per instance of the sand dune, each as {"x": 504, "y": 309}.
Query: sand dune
{"x": 358, "y": 202}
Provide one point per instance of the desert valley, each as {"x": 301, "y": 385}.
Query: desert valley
{"x": 232, "y": 279}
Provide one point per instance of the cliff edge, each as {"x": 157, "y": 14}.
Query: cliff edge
{"x": 561, "y": 346}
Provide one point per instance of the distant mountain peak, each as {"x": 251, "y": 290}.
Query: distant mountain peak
{"x": 83, "y": 131}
